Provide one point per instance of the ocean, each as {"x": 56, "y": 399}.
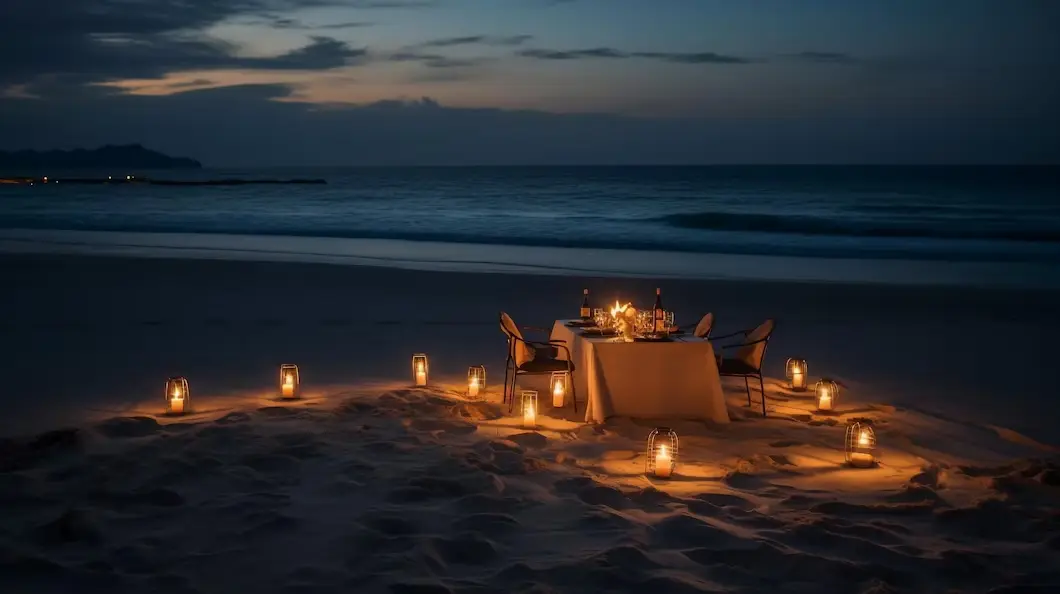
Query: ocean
{"x": 895, "y": 224}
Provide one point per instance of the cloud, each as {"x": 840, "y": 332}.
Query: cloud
{"x": 477, "y": 40}
{"x": 823, "y": 57}
{"x": 289, "y": 23}
{"x": 610, "y": 53}
{"x": 107, "y": 40}
{"x": 247, "y": 126}
{"x": 433, "y": 60}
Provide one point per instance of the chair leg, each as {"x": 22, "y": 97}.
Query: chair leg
{"x": 504, "y": 395}
{"x": 747, "y": 387}
{"x": 762, "y": 387}
{"x": 511, "y": 400}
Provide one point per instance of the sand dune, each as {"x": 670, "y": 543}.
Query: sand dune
{"x": 420, "y": 490}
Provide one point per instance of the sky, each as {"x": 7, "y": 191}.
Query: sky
{"x": 461, "y": 82}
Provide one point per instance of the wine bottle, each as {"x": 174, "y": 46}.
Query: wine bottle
{"x": 659, "y": 315}
{"x": 586, "y": 312}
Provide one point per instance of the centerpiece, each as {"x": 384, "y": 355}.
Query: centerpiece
{"x": 625, "y": 317}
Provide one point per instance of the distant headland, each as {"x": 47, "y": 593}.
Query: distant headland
{"x": 115, "y": 157}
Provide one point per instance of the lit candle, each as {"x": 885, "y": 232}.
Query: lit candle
{"x": 176, "y": 403}
{"x": 557, "y": 393}
{"x": 472, "y": 386}
{"x": 529, "y": 417}
{"x": 421, "y": 375}
{"x": 824, "y": 401}
{"x": 798, "y": 379}
{"x": 288, "y": 385}
{"x": 662, "y": 462}
{"x": 862, "y": 458}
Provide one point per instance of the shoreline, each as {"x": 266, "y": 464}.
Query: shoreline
{"x": 538, "y": 260}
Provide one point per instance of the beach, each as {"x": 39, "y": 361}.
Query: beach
{"x": 368, "y": 483}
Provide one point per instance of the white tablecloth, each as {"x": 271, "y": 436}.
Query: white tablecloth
{"x": 648, "y": 380}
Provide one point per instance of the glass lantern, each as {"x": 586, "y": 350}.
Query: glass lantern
{"x": 861, "y": 444}
{"x": 476, "y": 380}
{"x": 178, "y": 396}
{"x": 662, "y": 453}
{"x": 796, "y": 371}
{"x": 559, "y": 383}
{"x": 528, "y": 400}
{"x": 289, "y": 380}
{"x": 419, "y": 369}
{"x": 826, "y": 392}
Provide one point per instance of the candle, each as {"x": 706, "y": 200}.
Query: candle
{"x": 176, "y": 403}
{"x": 662, "y": 462}
{"x": 798, "y": 379}
{"x": 557, "y": 393}
{"x": 863, "y": 458}
{"x": 288, "y": 385}
{"x": 472, "y": 386}
{"x": 421, "y": 375}
{"x": 825, "y": 400}
{"x": 529, "y": 417}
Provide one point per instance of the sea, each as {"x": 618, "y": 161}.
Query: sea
{"x": 988, "y": 226}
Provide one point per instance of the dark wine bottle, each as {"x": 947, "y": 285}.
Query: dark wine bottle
{"x": 659, "y": 314}
{"x": 586, "y": 311}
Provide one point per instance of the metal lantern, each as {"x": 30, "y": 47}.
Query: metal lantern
{"x": 529, "y": 408}
{"x": 476, "y": 380}
{"x": 558, "y": 383}
{"x": 826, "y": 392}
{"x": 796, "y": 370}
{"x": 861, "y": 444}
{"x": 419, "y": 369}
{"x": 178, "y": 396}
{"x": 289, "y": 380}
{"x": 662, "y": 453}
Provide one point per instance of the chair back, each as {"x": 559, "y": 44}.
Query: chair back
{"x": 753, "y": 350}
{"x": 518, "y": 350}
{"x": 705, "y": 325}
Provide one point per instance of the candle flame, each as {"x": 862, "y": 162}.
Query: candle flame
{"x": 863, "y": 438}
{"x": 288, "y": 379}
{"x": 419, "y": 367}
{"x": 619, "y": 309}
{"x": 557, "y": 389}
{"x": 176, "y": 393}
{"x": 474, "y": 382}
{"x": 662, "y": 452}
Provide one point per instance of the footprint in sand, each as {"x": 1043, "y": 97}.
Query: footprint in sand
{"x": 786, "y": 443}
{"x": 123, "y": 427}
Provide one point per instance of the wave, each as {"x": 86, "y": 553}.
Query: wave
{"x": 708, "y": 245}
{"x": 810, "y": 225}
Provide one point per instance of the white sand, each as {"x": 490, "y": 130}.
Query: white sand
{"x": 368, "y": 485}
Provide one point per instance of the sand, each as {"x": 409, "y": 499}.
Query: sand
{"x": 367, "y": 484}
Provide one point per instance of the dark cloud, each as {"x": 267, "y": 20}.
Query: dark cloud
{"x": 247, "y": 126}
{"x": 477, "y": 40}
{"x": 289, "y": 23}
{"x": 824, "y": 57}
{"x": 106, "y": 40}
{"x": 432, "y": 60}
{"x": 610, "y": 53}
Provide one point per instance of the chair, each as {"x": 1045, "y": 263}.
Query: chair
{"x": 747, "y": 361}
{"x": 702, "y": 328}
{"x": 527, "y": 357}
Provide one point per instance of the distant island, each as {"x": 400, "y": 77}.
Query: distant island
{"x": 122, "y": 157}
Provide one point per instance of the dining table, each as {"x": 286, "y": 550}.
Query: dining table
{"x": 671, "y": 378}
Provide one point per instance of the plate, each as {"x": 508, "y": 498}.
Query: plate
{"x": 595, "y": 331}
{"x": 581, "y": 324}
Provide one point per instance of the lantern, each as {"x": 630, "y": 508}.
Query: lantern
{"x": 826, "y": 391}
{"x": 662, "y": 452}
{"x": 419, "y": 369}
{"x": 289, "y": 381}
{"x": 559, "y": 388}
{"x": 476, "y": 380}
{"x": 529, "y": 406}
{"x": 178, "y": 396}
{"x": 861, "y": 444}
{"x": 796, "y": 370}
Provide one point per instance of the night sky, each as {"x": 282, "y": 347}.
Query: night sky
{"x": 345, "y": 82}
